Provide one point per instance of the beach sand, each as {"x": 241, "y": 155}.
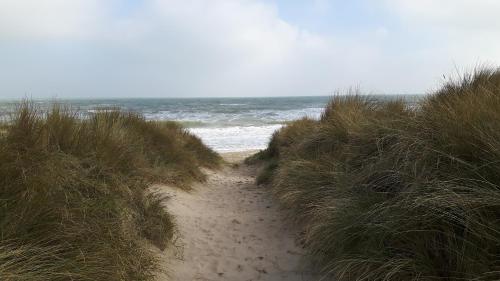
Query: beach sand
{"x": 231, "y": 229}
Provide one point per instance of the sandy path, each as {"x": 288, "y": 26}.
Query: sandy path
{"x": 230, "y": 229}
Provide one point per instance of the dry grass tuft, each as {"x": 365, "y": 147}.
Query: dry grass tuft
{"x": 74, "y": 193}
{"x": 387, "y": 192}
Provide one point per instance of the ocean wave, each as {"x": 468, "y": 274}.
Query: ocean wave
{"x": 231, "y": 139}
{"x": 234, "y": 118}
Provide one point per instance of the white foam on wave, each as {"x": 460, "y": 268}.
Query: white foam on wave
{"x": 247, "y": 130}
{"x": 254, "y": 117}
{"x": 234, "y": 139}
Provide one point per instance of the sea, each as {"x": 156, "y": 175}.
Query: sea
{"x": 224, "y": 124}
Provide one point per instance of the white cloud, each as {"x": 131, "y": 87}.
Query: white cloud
{"x": 180, "y": 47}
{"x": 49, "y": 19}
{"x": 462, "y": 15}
{"x": 231, "y": 48}
{"x": 463, "y": 32}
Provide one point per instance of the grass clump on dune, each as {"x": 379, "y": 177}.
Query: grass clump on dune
{"x": 74, "y": 198}
{"x": 388, "y": 192}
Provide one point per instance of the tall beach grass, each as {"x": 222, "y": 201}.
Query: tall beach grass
{"x": 388, "y": 192}
{"x": 75, "y": 202}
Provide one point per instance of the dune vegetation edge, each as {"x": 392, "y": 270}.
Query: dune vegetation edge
{"x": 75, "y": 198}
{"x": 384, "y": 191}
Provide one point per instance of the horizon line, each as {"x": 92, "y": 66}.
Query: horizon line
{"x": 198, "y": 97}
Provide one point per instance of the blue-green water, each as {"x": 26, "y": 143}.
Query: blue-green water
{"x": 226, "y": 124}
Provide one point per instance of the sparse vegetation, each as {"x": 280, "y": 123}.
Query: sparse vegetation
{"x": 388, "y": 192}
{"x": 75, "y": 202}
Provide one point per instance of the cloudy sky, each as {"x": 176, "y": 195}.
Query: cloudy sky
{"x": 187, "y": 48}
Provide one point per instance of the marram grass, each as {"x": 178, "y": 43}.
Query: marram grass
{"x": 388, "y": 192}
{"x": 75, "y": 202}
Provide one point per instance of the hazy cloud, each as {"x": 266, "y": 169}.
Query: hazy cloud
{"x": 70, "y": 48}
{"x": 49, "y": 19}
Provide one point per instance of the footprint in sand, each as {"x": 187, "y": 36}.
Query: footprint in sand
{"x": 226, "y": 248}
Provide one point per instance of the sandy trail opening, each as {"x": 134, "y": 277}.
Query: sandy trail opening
{"x": 231, "y": 229}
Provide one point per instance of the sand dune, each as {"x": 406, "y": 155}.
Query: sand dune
{"x": 230, "y": 229}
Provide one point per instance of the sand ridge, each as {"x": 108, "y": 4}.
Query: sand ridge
{"x": 231, "y": 229}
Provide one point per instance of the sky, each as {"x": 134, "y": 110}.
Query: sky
{"x": 233, "y": 48}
